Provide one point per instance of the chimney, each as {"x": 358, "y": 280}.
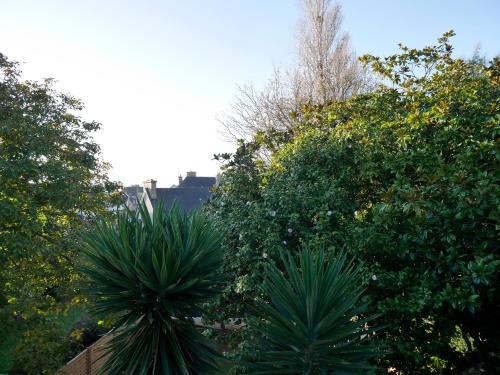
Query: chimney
{"x": 151, "y": 186}
{"x": 180, "y": 180}
{"x": 191, "y": 174}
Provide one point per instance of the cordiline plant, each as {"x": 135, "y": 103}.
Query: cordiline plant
{"x": 153, "y": 273}
{"x": 312, "y": 321}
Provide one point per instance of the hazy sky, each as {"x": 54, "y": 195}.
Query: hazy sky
{"x": 157, "y": 73}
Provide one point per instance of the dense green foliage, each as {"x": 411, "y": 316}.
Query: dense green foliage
{"x": 41, "y": 353}
{"x": 53, "y": 183}
{"x": 52, "y": 179}
{"x": 154, "y": 273}
{"x": 45, "y": 345}
{"x": 314, "y": 322}
{"x": 406, "y": 179}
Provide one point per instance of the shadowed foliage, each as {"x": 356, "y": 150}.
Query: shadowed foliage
{"x": 154, "y": 272}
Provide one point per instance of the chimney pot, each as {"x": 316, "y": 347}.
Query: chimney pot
{"x": 191, "y": 174}
{"x": 150, "y": 185}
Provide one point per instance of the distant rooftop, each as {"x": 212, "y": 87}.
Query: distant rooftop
{"x": 191, "y": 192}
{"x": 193, "y": 181}
{"x": 188, "y": 198}
{"x": 133, "y": 190}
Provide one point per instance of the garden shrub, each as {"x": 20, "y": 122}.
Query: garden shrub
{"x": 314, "y": 322}
{"x": 406, "y": 179}
{"x": 154, "y": 273}
{"x": 41, "y": 349}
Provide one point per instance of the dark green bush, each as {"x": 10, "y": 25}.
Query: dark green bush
{"x": 45, "y": 345}
{"x": 314, "y": 322}
{"x": 41, "y": 349}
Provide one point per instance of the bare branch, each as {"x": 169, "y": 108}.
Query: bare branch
{"x": 327, "y": 70}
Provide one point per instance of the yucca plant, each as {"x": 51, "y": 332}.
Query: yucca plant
{"x": 312, "y": 321}
{"x": 153, "y": 273}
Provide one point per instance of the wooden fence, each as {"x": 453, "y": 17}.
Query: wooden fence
{"x": 89, "y": 361}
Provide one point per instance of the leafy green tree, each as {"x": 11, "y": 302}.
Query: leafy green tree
{"x": 431, "y": 230}
{"x": 406, "y": 179}
{"x": 314, "y": 322}
{"x": 52, "y": 184}
{"x": 233, "y": 214}
{"x": 154, "y": 273}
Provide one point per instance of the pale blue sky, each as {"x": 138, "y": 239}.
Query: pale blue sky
{"x": 157, "y": 73}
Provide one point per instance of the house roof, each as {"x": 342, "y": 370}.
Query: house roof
{"x": 188, "y": 198}
{"x": 133, "y": 191}
{"x": 194, "y": 181}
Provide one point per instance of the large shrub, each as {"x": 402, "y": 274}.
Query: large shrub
{"x": 40, "y": 349}
{"x": 45, "y": 345}
{"x": 407, "y": 179}
{"x": 153, "y": 273}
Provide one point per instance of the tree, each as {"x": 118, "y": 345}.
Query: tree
{"x": 154, "y": 273}
{"x": 52, "y": 183}
{"x": 326, "y": 70}
{"x": 405, "y": 178}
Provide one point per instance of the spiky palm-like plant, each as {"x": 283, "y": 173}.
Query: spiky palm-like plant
{"x": 313, "y": 322}
{"x": 154, "y": 272}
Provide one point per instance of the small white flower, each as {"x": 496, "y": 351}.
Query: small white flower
{"x": 329, "y": 213}
{"x": 284, "y": 242}
{"x": 264, "y": 255}
{"x": 290, "y": 230}
{"x": 273, "y": 213}
{"x": 374, "y": 277}
{"x": 240, "y": 237}
{"x": 239, "y": 287}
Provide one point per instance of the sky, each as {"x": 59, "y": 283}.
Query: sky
{"x": 158, "y": 73}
